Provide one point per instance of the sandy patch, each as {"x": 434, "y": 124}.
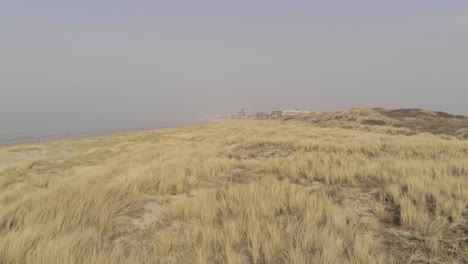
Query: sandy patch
{"x": 152, "y": 213}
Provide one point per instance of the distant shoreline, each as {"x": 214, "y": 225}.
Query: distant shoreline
{"x": 44, "y": 139}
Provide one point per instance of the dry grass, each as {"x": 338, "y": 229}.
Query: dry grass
{"x": 392, "y": 121}
{"x": 239, "y": 192}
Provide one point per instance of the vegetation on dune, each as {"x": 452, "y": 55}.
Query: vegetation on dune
{"x": 241, "y": 192}
{"x": 392, "y": 121}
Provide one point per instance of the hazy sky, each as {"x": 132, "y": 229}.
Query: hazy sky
{"x": 67, "y": 65}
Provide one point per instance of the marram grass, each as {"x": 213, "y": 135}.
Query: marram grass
{"x": 237, "y": 192}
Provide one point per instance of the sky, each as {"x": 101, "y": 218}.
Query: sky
{"x": 94, "y": 65}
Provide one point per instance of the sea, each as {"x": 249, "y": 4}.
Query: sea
{"x": 32, "y": 135}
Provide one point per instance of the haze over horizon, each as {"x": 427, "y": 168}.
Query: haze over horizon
{"x": 98, "y": 65}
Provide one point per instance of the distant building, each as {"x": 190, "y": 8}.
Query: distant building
{"x": 294, "y": 112}
{"x": 276, "y": 114}
{"x": 262, "y": 116}
{"x": 244, "y": 113}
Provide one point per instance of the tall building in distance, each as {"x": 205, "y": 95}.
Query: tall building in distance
{"x": 276, "y": 114}
{"x": 243, "y": 113}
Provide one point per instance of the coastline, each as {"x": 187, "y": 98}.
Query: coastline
{"x": 81, "y": 135}
{"x": 33, "y": 148}
{"x": 45, "y": 139}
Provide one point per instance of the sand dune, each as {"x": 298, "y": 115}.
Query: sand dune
{"x": 242, "y": 191}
